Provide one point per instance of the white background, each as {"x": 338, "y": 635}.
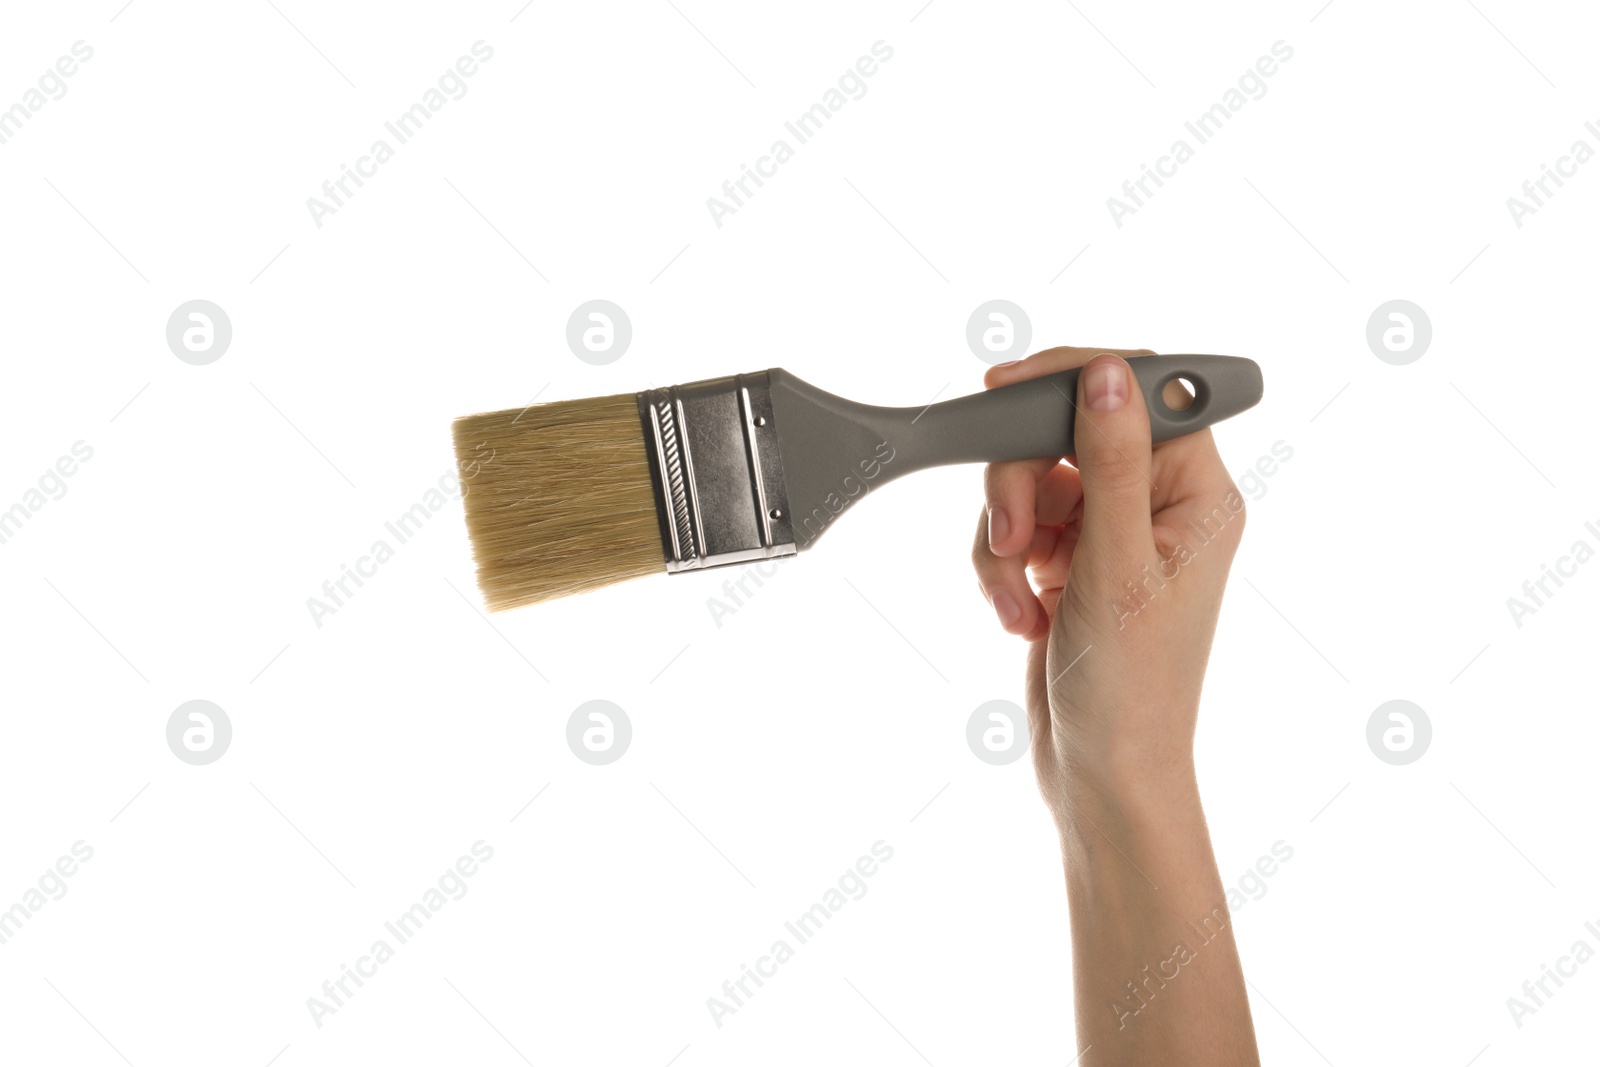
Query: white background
{"x": 829, "y": 711}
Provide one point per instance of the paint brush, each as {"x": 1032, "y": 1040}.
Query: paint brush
{"x": 574, "y": 495}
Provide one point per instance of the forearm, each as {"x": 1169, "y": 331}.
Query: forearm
{"x": 1126, "y": 553}
{"x": 1155, "y": 968}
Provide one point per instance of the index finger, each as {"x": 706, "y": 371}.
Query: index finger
{"x": 1009, "y": 488}
{"x": 1050, "y": 361}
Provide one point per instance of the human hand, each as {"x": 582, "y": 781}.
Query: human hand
{"x": 1130, "y": 551}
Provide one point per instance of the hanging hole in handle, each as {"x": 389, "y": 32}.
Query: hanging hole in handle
{"x": 1183, "y": 397}
{"x": 1179, "y": 394}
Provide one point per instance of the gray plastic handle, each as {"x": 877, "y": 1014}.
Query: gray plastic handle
{"x": 1037, "y": 418}
{"x": 835, "y": 450}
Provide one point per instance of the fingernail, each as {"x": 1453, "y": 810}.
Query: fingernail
{"x": 1105, "y": 386}
{"x": 999, "y": 525}
{"x": 1006, "y": 608}
{"x": 1009, "y": 363}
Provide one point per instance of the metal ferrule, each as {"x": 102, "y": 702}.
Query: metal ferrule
{"x": 718, "y": 475}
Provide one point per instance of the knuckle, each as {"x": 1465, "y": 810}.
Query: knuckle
{"x": 1226, "y": 517}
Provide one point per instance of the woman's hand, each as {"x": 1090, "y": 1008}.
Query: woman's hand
{"x": 1129, "y": 551}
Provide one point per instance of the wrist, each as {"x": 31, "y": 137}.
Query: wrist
{"x": 1138, "y": 777}
{"x": 1138, "y": 807}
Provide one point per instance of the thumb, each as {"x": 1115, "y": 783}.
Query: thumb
{"x": 1113, "y": 455}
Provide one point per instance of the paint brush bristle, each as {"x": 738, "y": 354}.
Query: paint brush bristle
{"x": 558, "y": 498}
